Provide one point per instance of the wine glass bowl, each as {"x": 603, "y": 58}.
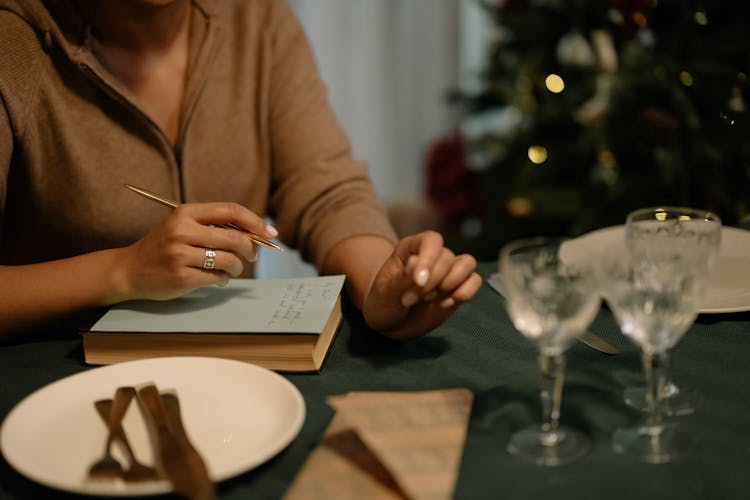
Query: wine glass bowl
{"x": 673, "y": 246}
{"x": 652, "y": 315}
{"x": 550, "y": 300}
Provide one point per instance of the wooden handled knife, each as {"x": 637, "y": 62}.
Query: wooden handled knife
{"x": 176, "y": 457}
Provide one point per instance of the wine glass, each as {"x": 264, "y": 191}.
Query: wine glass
{"x": 551, "y": 301}
{"x": 648, "y": 229}
{"x": 654, "y": 291}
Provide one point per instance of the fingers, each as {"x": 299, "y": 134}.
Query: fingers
{"x": 229, "y": 213}
{"x": 228, "y": 240}
{"x": 172, "y": 258}
{"x": 422, "y": 250}
{"x": 212, "y": 260}
{"x": 456, "y": 286}
{"x": 198, "y": 225}
{"x": 463, "y": 292}
{"x": 437, "y": 273}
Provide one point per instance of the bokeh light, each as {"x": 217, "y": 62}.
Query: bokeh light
{"x": 554, "y": 83}
{"x": 538, "y": 154}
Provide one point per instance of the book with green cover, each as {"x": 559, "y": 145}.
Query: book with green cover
{"x": 282, "y": 324}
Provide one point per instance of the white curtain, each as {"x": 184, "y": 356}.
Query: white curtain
{"x": 388, "y": 65}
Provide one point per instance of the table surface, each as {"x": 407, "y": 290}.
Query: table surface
{"x": 478, "y": 349}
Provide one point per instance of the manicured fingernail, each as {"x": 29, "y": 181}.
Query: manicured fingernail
{"x": 409, "y": 267}
{"x": 250, "y": 254}
{"x": 422, "y": 277}
{"x": 448, "y": 303}
{"x": 409, "y": 299}
{"x": 271, "y": 231}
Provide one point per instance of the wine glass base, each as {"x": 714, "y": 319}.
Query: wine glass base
{"x": 550, "y": 448}
{"x": 675, "y": 403}
{"x": 652, "y": 444}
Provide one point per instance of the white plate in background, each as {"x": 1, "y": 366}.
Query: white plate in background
{"x": 728, "y": 288}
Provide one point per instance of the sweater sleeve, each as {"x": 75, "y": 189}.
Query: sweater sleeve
{"x": 321, "y": 195}
{"x": 14, "y": 69}
{"x": 6, "y": 151}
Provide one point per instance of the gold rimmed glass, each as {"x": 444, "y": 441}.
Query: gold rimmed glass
{"x": 654, "y": 291}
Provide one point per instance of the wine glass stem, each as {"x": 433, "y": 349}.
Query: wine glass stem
{"x": 655, "y": 368}
{"x": 552, "y": 369}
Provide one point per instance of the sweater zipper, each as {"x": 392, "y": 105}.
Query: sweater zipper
{"x": 209, "y": 50}
{"x": 173, "y": 154}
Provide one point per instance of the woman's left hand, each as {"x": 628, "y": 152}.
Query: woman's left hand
{"x": 419, "y": 286}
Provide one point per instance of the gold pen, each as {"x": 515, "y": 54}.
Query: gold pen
{"x": 165, "y": 201}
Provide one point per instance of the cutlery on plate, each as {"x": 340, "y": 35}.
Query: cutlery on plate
{"x": 136, "y": 471}
{"x": 174, "y": 419}
{"x": 588, "y": 339}
{"x": 177, "y": 458}
{"x": 107, "y": 467}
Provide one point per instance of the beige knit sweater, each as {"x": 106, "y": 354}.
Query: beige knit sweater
{"x": 257, "y": 129}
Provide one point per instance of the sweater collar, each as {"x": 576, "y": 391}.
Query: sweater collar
{"x": 60, "y": 23}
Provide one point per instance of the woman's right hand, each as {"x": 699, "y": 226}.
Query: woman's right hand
{"x": 168, "y": 261}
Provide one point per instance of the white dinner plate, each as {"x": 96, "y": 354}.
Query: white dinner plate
{"x": 237, "y": 415}
{"x": 728, "y": 288}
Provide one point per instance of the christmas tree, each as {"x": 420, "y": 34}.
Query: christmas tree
{"x": 590, "y": 109}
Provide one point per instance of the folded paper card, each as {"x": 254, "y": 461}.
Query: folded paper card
{"x": 388, "y": 445}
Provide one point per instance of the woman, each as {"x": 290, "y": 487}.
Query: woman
{"x": 217, "y": 104}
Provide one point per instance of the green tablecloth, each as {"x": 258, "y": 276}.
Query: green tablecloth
{"x": 479, "y": 349}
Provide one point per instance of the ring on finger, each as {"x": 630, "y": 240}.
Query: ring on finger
{"x": 209, "y": 261}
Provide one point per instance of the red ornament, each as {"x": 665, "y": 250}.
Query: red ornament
{"x": 634, "y": 13}
{"x": 451, "y": 186}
